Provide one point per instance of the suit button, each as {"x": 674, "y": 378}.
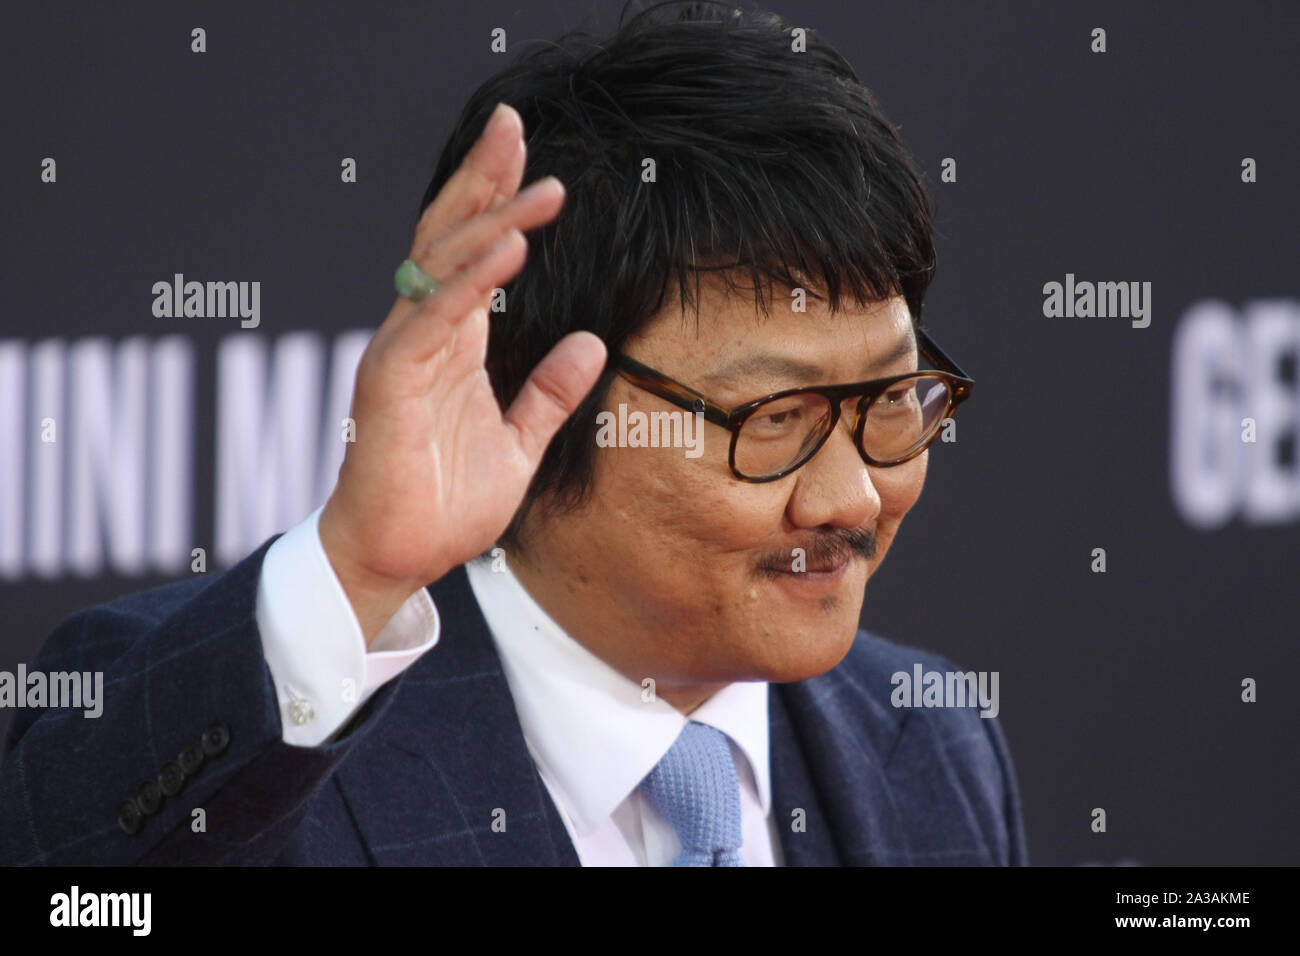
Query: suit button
{"x": 171, "y": 778}
{"x": 129, "y": 817}
{"x": 190, "y": 759}
{"x": 150, "y": 797}
{"x": 215, "y": 739}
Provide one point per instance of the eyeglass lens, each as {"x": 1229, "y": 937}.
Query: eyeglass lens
{"x": 783, "y": 432}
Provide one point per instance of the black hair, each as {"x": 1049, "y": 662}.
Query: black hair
{"x": 768, "y": 161}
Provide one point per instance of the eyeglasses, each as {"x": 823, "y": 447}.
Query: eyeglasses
{"x": 897, "y": 417}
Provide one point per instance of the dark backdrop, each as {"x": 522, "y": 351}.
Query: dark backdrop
{"x": 1120, "y": 690}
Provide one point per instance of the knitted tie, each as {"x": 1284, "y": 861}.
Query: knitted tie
{"x": 694, "y": 788}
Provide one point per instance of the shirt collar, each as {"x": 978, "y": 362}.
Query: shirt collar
{"x": 594, "y": 733}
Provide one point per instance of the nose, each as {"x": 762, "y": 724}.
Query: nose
{"x": 834, "y": 487}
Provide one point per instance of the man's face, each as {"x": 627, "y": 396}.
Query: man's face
{"x": 675, "y": 569}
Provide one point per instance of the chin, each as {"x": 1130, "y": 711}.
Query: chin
{"x": 809, "y": 653}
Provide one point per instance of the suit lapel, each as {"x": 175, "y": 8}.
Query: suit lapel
{"x": 447, "y": 779}
{"x": 843, "y": 738}
{"x": 806, "y": 839}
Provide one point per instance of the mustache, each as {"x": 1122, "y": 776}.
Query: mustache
{"x": 827, "y": 547}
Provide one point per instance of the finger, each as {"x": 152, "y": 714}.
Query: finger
{"x": 486, "y": 171}
{"x": 424, "y": 330}
{"x": 535, "y": 206}
{"x": 509, "y": 184}
{"x": 555, "y": 388}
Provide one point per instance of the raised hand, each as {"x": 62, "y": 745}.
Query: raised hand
{"x": 436, "y": 471}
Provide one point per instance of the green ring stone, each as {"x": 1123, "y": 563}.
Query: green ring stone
{"x": 412, "y": 282}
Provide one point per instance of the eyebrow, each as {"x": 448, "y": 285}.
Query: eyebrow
{"x": 782, "y": 366}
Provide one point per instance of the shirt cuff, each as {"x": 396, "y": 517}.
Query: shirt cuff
{"x": 312, "y": 640}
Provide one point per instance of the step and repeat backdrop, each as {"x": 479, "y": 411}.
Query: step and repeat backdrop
{"x": 205, "y": 205}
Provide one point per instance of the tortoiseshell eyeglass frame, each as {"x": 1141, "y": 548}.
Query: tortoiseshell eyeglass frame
{"x": 959, "y": 384}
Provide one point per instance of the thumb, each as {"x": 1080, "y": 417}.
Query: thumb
{"x": 555, "y": 388}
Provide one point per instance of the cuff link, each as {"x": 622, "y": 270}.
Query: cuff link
{"x": 300, "y": 709}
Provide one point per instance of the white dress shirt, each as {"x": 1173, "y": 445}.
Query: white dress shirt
{"x": 592, "y": 733}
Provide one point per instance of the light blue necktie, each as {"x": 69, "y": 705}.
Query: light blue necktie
{"x": 694, "y": 788}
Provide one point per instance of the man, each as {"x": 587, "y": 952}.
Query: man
{"x": 641, "y": 645}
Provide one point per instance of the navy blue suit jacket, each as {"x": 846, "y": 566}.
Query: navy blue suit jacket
{"x": 190, "y": 721}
